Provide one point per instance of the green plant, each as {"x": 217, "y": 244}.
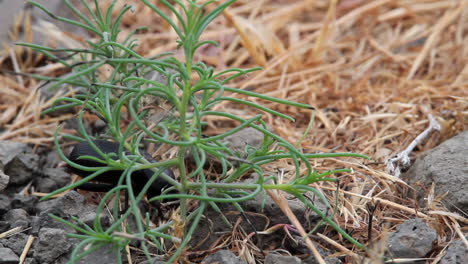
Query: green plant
{"x": 125, "y": 95}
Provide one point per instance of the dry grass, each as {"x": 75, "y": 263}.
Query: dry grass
{"x": 373, "y": 69}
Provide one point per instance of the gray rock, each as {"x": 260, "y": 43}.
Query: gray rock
{"x": 88, "y": 219}
{"x": 9, "y": 9}
{"x": 4, "y": 180}
{"x": 447, "y": 167}
{"x": 21, "y": 168}
{"x": 5, "y": 203}
{"x": 312, "y": 260}
{"x": 280, "y": 259}
{"x": 9, "y": 149}
{"x": 155, "y": 260}
{"x": 30, "y": 261}
{"x": 70, "y": 204}
{"x": 44, "y": 220}
{"x": 457, "y": 253}
{"x": 324, "y": 254}
{"x": 4, "y": 226}
{"x": 105, "y": 254}
{"x": 52, "y": 179}
{"x": 411, "y": 239}
{"x": 27, "y": 203}
{"x": 7, "y": 256}
{"x": 17, "y": 218}
{"x": 211, "y": 228}
{"x": 52, "y": 243}
{"x": 35, "y": 225}
{"x": 50, "y": 159}
{"x": 247, "y": 137}
{"x": 16, "y": 242}
{"x": 223, "y": 257}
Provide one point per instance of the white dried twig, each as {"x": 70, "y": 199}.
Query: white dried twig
{"x": 402, "y": 159}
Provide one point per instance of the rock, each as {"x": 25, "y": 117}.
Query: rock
{"x": 4, "y": 180}
{"x": 88, "y": 219}
{"x": 457, "y": 253}
{"x": 44, "y": 220}
{"x": 21, "y": 168}
{"x": 247, "y": 137}
{"x": 9, "y": 149}
{"x": 30, "y": 261}
{"x": 10, "y": 9}
{"x": 324, "y": 254}
{"x": 5, "y": 203}
{"x": 447, "y": 167}
{"x": 50, "y": 159}
{"x": 27, "y": 203}
{"x": 105, "y": 254}
{"x": 52, "y": 243}
{"x": 35, "y": 225}
{"x": 17, "y": 217}
{"x": 7, "y": 256}
{"x": 280, "y": 259}
{"x": 4, "y": 226}
{"x": 223, "y": 257}
{"x": 70, "y": 204}
{"x": 16, "y": 242}
{"x": 155, "y": 260}
{"x": 52, "y": 179}
{"x": 255, "y": 222}
{"x": 411, "y": 239}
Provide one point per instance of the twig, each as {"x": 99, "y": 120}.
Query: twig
{"x": 402, "y": 160}
{"x": 26, "y": 249}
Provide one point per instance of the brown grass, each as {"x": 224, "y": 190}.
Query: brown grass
{"x": 373, "y": 69}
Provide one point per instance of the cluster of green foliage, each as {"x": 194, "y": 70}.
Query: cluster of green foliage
{"x": 121, "y": 96}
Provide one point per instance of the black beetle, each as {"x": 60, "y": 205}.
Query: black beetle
{"x": 109, "y": 179}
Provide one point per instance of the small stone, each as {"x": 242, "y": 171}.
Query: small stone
{"x": 17, "y": 218}
{"x": 221, "y": 257}
{"x": 280, "y": 259}
{"x": 247, "y": 137}
{"x": 45, "y": 221}
{"x": 21, "y": 168}
{"x": 5, "y": 203}
{"x": 27, "y": 203}
{"x": 35, "y": 225}
{"x": 71, "y": 203}
{"x": 446, "y": 166}
{"x": 16, "y": 242}
{"x": 457, "y": 253}
{"x": 7, "y": 256}
{"x": 89, "y": 217}
{"x": 105, "y": 254}
{"x": 4, "y": 226}
{"x": 51, "y": 244}
{"x": 30, "y": 261}
{"x": 411, "y": 239}
{"x": 325, "y": 255}
{"x": 4, "y": 180}
{"x": 9, "y": 150}
{"x": 52, "y": 179}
